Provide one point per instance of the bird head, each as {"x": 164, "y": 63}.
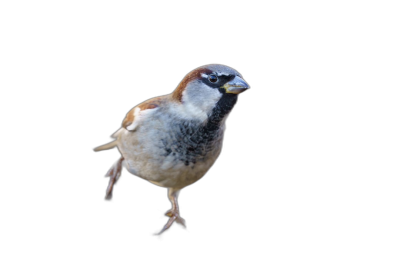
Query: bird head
{"x": 206, "y": 87}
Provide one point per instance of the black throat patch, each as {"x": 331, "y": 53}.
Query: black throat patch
{"x": 194, "y": 140}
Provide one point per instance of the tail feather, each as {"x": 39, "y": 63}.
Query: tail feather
{"x": 110, "y": 145}
{"x": 117, "y": 133}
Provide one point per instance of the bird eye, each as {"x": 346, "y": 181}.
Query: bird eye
{"x": 212, "y": 78}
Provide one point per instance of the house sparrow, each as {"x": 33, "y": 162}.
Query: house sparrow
{"x": 172, "y": 140}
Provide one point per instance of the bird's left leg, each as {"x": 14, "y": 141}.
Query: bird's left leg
{"x": 173, "y": 213}
{"x": 114, "y": 173}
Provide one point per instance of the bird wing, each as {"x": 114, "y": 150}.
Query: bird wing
{"x": 134, "y": 118}
{"x": 137, "y": 114}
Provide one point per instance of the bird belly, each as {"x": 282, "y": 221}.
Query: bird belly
{"x": 149, "y": 159}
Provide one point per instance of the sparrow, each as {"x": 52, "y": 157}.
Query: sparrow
{"x": 174, "y": 139}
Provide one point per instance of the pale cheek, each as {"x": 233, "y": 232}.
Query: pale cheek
{"x": 209, "y": 98}
{"x": 206, "y": 95}
{"x": 190, "y": 107}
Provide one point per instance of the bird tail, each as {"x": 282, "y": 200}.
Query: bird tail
{"x": 110, "y": 145}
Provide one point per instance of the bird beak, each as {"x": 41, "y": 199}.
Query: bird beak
{"x": 236, "y": 85}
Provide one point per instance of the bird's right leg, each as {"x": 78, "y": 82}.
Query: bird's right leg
{"x": 173, "y": 213}
{"x": 114, "y": 173}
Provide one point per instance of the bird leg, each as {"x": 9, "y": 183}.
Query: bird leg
{"x": 173, "y": 213}
{"x": 114, "y": 173}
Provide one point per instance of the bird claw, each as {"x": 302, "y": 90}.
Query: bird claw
{"x": 173, "y": 217}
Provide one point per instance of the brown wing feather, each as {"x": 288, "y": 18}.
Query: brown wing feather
{"x": 148, "y": 104}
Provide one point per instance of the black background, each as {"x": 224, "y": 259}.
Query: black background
{"x": 273, "y": 180}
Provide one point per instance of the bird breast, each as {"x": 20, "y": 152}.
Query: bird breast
{"x": 171, "y": 152}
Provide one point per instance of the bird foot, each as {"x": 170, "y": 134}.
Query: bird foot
{"x": 173, "y": 217}
{"x": 114, "y": 173}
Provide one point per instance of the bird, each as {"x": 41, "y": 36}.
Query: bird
{"x": 174, "y": 139}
